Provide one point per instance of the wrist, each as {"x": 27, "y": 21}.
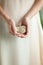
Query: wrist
{"x": 27, "y": 17}
{"x": 9, "y": 21}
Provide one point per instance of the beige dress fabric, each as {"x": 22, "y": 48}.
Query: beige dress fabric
{"x": 15, "y": 50}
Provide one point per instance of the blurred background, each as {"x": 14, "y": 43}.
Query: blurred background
{"x": 41, "y": 16}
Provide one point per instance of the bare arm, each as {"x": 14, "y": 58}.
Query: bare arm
{"x": 10, "y": 22}
{"x": 3, "y": 14}
{"x": 35, "y": 8}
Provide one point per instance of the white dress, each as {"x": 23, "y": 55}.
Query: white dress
{"x": 15, "y": 50}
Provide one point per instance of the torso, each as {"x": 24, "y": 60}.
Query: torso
{"x": 17, "y": 8}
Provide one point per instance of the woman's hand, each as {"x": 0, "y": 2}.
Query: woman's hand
{"x": 24, "y": 22}
{"x": 11, "y": 26}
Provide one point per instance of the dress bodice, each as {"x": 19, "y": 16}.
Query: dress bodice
{"x": 17, "y": 8}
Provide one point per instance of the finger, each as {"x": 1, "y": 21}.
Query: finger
{"x": 18, "y": 34}
{"x": 10, "y": 30}
{"x": 11, "y": 33}
{"x": 13, "y": 28}
{"x": 28, "y": 26}
{"x": 24, "y": 36}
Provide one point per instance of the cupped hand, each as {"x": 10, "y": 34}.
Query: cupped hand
{"x": 24, "y": 22}
{"x": 11, "y": 26}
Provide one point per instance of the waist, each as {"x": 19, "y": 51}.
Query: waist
{"x": 17, "y": 9}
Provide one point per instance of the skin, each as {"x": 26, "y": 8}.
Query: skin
{"x": 12, "y": 28}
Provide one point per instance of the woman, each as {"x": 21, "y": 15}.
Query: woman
{"x": 16, "y": 48}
